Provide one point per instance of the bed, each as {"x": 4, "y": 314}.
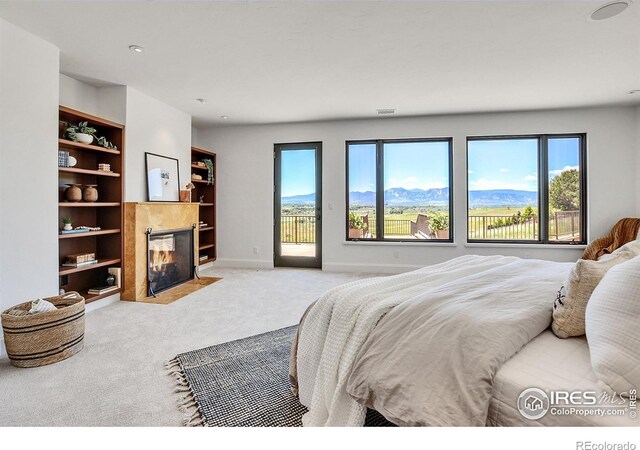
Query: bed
{"x": 551, "y": 363}
{"x": 452, "y": 344}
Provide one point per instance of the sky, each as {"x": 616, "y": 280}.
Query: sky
{"x": 410, "y": 165}
{"x": 492, "y": 164}
{"x": 362, "y": 167}
{"x": 298, "y": 172}
{"x": 513, "y": 164}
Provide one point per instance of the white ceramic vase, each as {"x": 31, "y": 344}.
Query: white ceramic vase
{"x": 67, "y": 227}
{"x": 84, "y": 138}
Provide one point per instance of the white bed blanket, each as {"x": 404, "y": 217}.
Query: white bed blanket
{"x": 431, "y": 360}
{"x": 338, "y": 324}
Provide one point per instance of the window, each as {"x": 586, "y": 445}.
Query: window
{"x": 399, "y": 190}
{"x": 527, "y": 189}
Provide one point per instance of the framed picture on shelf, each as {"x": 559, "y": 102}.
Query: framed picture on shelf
{"x": 163, "y": 179}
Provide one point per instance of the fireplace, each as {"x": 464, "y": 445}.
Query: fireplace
{"x": 170, "y": 259}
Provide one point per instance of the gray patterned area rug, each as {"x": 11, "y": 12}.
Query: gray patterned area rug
{"x": 243, "y": 383}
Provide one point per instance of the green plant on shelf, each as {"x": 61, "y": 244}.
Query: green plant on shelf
{"x": 102, "y": 142}
{"x": 207, "y": 162}
{"x": 81, "y": 127}
{"x": 73, "y": 129}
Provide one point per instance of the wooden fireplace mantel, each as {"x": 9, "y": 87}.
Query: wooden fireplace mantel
{"x": 138, "y": 217}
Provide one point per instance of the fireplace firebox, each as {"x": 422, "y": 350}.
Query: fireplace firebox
{"x": 170, "y": 259}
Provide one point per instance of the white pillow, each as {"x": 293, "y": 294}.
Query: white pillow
{"x": 609, "y": 256}
{"x": 573, "y": 296}
{"x": 613, "y": 327}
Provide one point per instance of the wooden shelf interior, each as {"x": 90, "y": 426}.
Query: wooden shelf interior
{"x": 207, "y": 234}
{"x": 97, "y": 173}
{"x": 72, "y": 145}
{"x": 101, "y": 263}
{"x": 88, "y": 298}
{"x": 109, "y": 186}
{"x": 85, "y": 234}
{"x": 106, "y": 213}
{"x": 88, "y": 205}
{"x": 112, "y": 131}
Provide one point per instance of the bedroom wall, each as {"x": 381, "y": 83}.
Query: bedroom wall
{"x": 28, "y": 180}
{"x": 153, "y": 126}
{"x": 194, "y": 136}
{"x": 112, "y": 103}
{"x": 109, "y": 102}
{"x": 78, "y": 95}
{"x": 245, "y": 177}
{"x": 638, "y": 161}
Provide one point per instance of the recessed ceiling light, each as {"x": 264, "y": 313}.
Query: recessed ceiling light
{"x": 224, "y": 117}
{"x": 635, "y": 91}
{"x": 609, "y": 10}
{"x": 136, "y": 48}
{"x": 383, "y": 111}
{"x": 201, "y": 100}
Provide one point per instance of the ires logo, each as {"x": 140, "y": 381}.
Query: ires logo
{"x": 575, "y": 398}
{"x": 534, "y": 403}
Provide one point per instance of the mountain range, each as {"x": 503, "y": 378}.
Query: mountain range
{"x": 434, "y": 197}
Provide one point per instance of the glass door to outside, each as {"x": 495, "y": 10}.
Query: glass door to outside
{"x": 298, "y": 205}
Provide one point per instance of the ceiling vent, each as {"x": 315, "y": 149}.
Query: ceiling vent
{"x": 385, "y": 111}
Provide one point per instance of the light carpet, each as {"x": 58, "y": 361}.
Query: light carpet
{"x": 119, "y": 378}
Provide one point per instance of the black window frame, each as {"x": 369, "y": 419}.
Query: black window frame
{"x": 379, "y": 206}
{"x": 543, "y": 187}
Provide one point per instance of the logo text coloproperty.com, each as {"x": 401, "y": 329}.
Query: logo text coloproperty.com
{"x": 534, "y": 403}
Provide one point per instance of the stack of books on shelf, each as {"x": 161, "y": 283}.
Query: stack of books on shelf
{"x": 204, "y": 257}
{"x": 80, "y": 260}
{"x": 102, "y": 290}
{"x": 203, "y": 224}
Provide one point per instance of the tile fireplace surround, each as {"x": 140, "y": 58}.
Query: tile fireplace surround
{"x": 138, "y": 216}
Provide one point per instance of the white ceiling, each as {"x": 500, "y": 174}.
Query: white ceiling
{"x": 265, "y": 62}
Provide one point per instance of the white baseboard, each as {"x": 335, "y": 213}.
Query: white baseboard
{"x": 368, "y": 268}
{"x": 102, "y": 303}
{"x": 327, "y": 266}
{"x": 244, "y": 263}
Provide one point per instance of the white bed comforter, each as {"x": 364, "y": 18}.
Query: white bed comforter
{"x": 337, "y": 325}
{"x": 431, "y": 361}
